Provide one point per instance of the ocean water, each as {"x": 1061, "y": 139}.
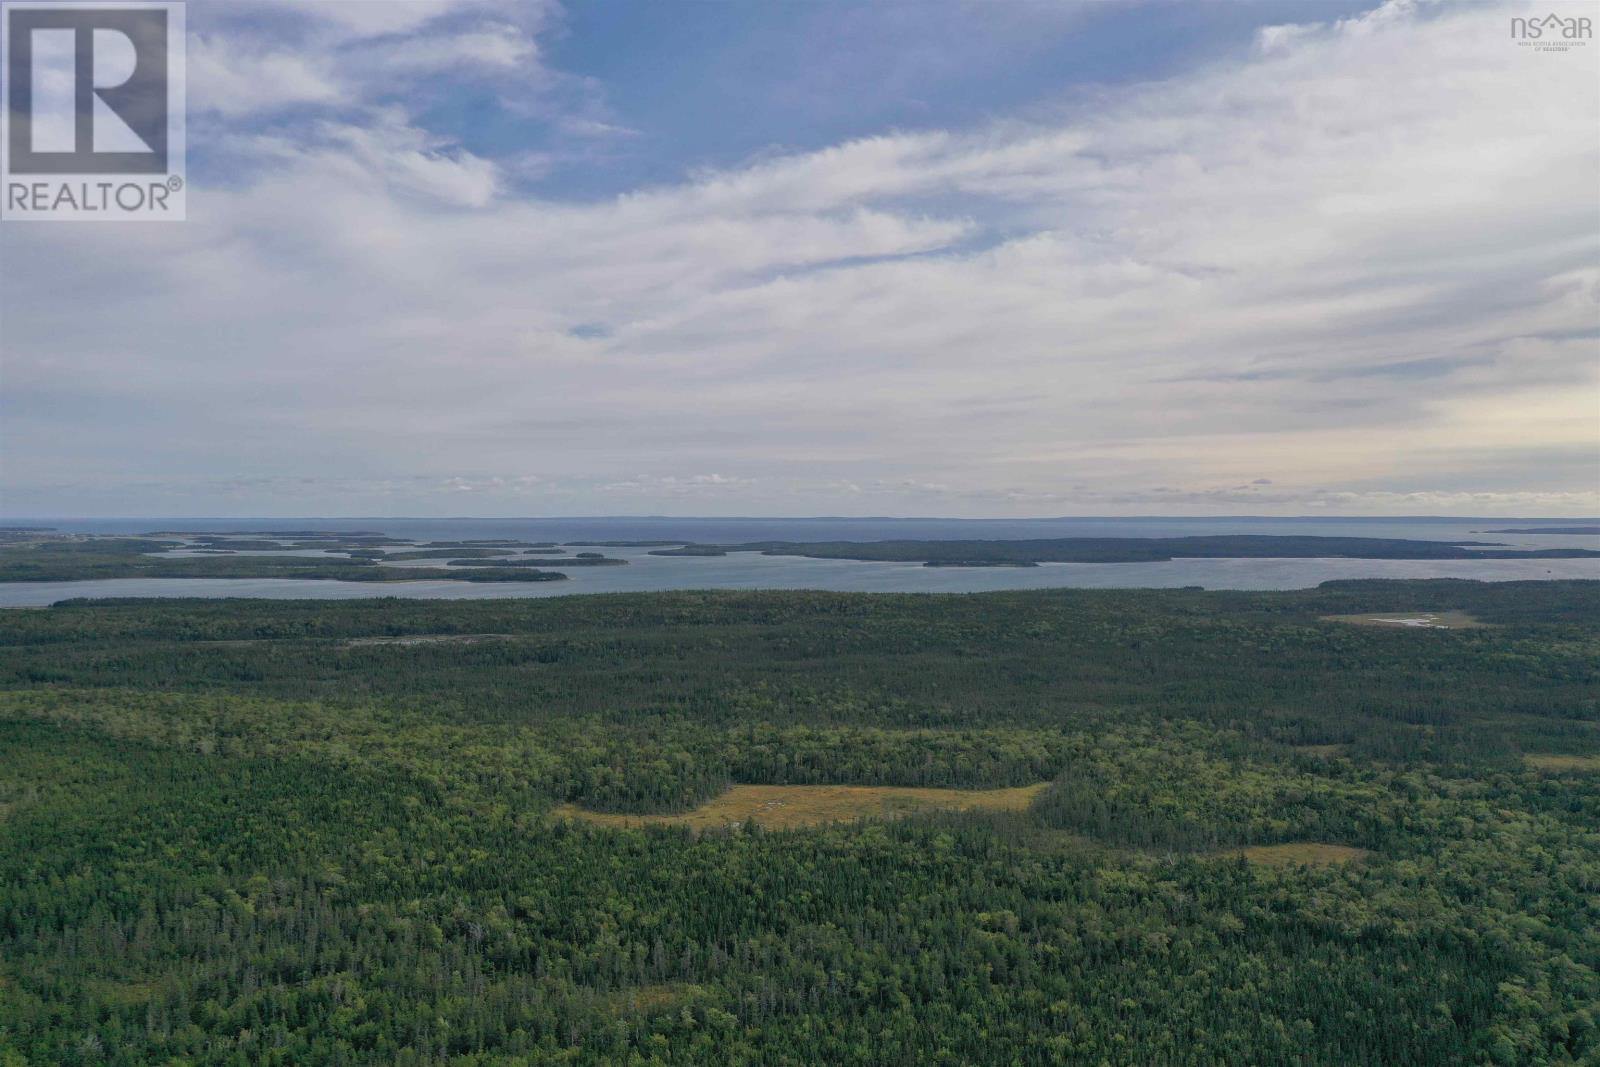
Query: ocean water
{"x": 725, "y": 531}
{"x": 748, "y": 570}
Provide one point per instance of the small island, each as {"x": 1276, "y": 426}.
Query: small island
{"x": 622, "y": 544}
{"x": 490, "y": 542}
{"x": 448, "y": 553}
{"x": 580, "y": 560}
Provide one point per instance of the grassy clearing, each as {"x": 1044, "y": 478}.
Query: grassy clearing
{"x": 653, "y": 999}
{"x": 426, "y": 639}
{"x": 1553, "y": 762}
{"x": 785, "y": 807}
{"x": 125, "y": 993}
{"x": 1413, "y": 620}
{"x": 1303, "y": 853}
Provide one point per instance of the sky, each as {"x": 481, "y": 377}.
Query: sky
{"x": 1011, "y": 258}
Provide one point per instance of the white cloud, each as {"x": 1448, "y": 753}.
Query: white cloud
{"x": 1329, "y": 275}
{"x": 490, "y": 47}
{"x": 390, "y": 157}
{"x": 235, "y": 83}
{"x": 342, "y": 55}
{"x": 345, "y": 21}
{"x": 372, "y": 18}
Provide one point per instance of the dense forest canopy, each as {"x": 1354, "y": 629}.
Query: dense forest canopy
{"x": 287, "y": 832}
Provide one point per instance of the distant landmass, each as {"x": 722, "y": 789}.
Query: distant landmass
{"x": 1569, "y": 530}
{"x": 85, "y": 558}
{"x": 1141, "y": 549}
{"x": 363, "y": 556}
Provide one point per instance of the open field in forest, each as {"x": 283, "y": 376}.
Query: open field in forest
{"x": 1554, "y": 762}
{"x": 656, "y": 997}
{"x": 426, "y": 639}
{"x": 786, "y": 807}
{"x": 1321, "y": 751}
{"x": 1303, "y": 853}
{"x": 1414, "y": 620}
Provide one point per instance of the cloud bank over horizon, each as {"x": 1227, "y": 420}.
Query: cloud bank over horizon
{"x": 1345, "y": 266}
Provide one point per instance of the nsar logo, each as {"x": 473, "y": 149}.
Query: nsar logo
{"x": 1552, "y": 33}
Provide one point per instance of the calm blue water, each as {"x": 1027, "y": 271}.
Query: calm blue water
{"x": 753, "y": 571}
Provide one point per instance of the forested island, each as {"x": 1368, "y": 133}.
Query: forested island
{"x": 364, "y": 556}
{"x": 490, "y": 542}
{"x": 80, "y": 559}
{"x": 1126, "y": 827}
{"x": 476, "y": 554}
{"x": 582, "y": 559}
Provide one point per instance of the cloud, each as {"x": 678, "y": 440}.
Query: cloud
{"x": 1134, "y": 301}
{"x": 396, "y": 159}
{"x": 233, "y": 82}
{"x": 493, "y": 46}
{"x": 247, "y": 58}
{"x": 360, "y": 19}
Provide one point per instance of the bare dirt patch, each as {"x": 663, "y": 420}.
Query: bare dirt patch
{"x": 1412, "y": 620}
{"x": 1303, "y": 853}
{"x": 1554, "y": 762}
{"x": 785, "y": 807}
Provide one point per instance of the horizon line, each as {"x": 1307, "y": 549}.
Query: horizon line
{"x": 7, "y": 520}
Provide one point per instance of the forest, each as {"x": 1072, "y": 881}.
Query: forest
{"x": 240, "y": 832}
